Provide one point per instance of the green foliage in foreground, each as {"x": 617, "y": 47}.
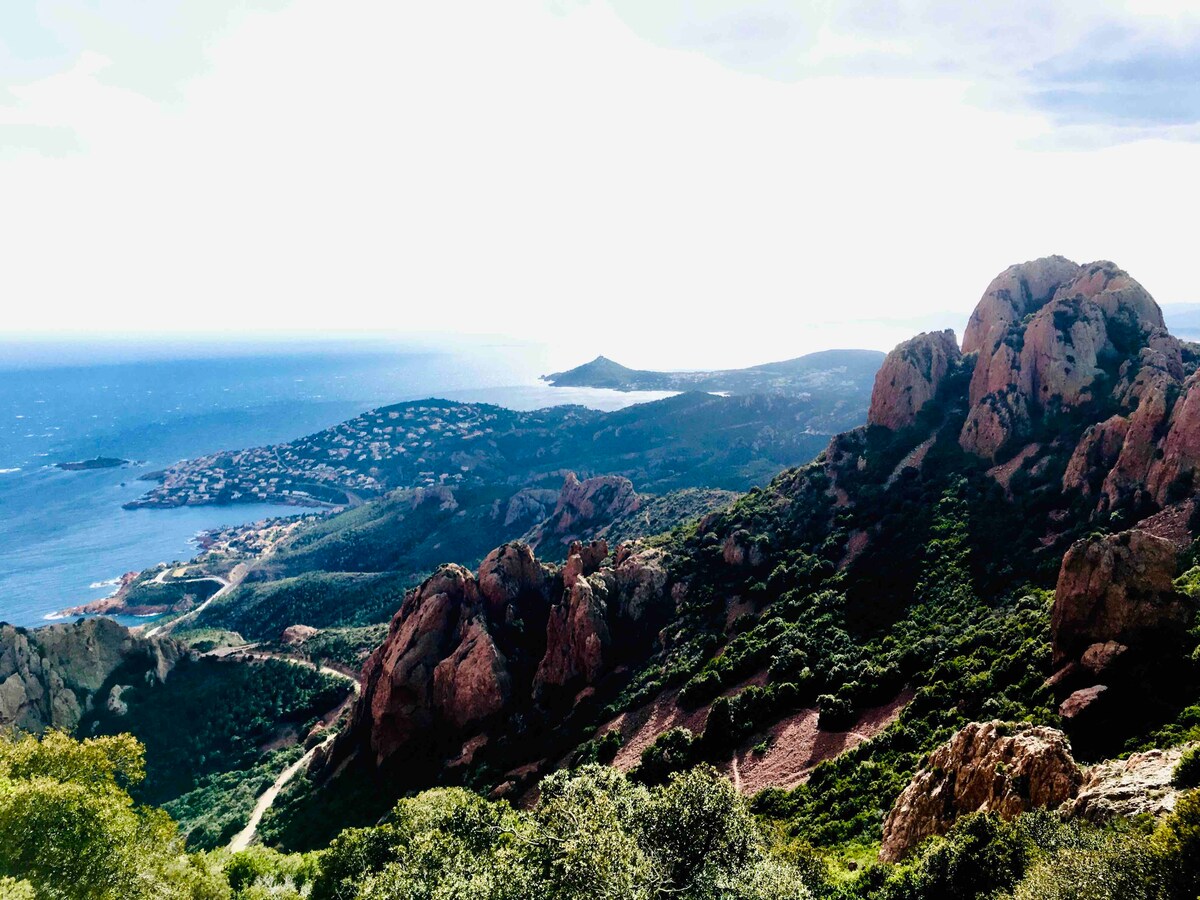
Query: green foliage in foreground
{"x": 69, "y": 830}
{"x": 593, "y": 834}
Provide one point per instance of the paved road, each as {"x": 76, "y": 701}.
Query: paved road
{"x": 227, "y": 584}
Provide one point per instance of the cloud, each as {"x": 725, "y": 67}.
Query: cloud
{"x": 1122, "y": 70}
{"x": 558, "y": 174}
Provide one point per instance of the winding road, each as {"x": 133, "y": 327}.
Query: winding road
{"x": 242, "y": 839}
{"x": 235, "y": 578}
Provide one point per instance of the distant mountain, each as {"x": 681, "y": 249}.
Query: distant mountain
{"x": 845, "y": 373}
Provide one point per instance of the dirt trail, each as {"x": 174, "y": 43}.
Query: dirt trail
{"x": 242, "y": 839}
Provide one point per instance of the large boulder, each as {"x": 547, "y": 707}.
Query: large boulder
{"x": 910, "y": 377}
{"x": 1119, "y": 589}
{"x": 985, "y": 767}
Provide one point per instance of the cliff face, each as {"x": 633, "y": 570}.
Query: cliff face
{"x": 1056, "y": 343}
{"x": 910, "y": 377}
{"x": 49, "y": 677}
{"x": 473, "y": 657}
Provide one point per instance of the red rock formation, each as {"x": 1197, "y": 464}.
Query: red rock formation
{"x": 1175, "y": 470}
{"x": 583, "y": 508}
{"x": 983, "y": 768}
{"x": 1116, "y": 589}
{"x": 910, "y": 377}
{"x": 1044, "y": 354}
{"x": 1013, "y": 294}
{"x": 468, "y": 655}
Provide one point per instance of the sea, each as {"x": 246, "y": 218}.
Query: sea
{"x": 64, "y": 538}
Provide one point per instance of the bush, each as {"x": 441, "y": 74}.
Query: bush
{"x": 672, "y": 751}
{"x": 1187, "y": 771}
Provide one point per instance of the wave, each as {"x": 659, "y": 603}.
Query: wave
{"x": 50, "y": 617}
{"x": 96, "y": 585}
{"x": 10, "y": 471}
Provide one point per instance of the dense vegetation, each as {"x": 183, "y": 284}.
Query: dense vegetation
{"x": 212, "y": 717}
{"x": 69, "y": 829}
{"x": 261, "y": 610}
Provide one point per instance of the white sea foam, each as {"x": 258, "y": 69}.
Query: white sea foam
{"x": 10, "y": 471}
{"x": 96, "y": 585}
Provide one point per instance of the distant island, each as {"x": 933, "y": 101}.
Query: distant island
{"x": 100, "y": 462}
{"x": 843, "y": 371}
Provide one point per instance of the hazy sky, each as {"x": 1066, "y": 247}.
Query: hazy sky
{"x": 667, "y": 182}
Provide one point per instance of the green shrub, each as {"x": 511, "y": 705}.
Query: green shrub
{"x": 1187, "y": 770}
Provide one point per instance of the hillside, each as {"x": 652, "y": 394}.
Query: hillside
{"x": 691, "y": 440}
{"x": 823, "y": 635}
{"x": 954, "y": 656}
{"x": 836, "y": 381}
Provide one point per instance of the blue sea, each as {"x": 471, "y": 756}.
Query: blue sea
{"x": 64, "y": 537}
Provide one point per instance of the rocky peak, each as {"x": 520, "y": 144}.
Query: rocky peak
{"x": 583, "y": 508}
{"x": 985, "y": 767}
{"x": 1042, "y": 354}
{"x": 1015, "y": 293}
{"x": 470, "y": 657}
{"x": 910, "y": 377}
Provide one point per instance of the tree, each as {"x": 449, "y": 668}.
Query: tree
{"x": 69, "y": 828}
{"x": 699, "y": 831}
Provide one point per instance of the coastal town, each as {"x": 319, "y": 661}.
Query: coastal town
{"x": 420, "y": 444}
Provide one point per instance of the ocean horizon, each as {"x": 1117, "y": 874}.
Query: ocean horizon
{"x": 65, "y": 539}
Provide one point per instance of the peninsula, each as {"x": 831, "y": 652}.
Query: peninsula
{"x": 843, "y": 373}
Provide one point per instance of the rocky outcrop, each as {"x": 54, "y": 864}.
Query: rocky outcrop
{"x": 1039, "y": 354}
{"x": 910, "y": 377}
{"x": 983, "y": 768}
{"x": 577, "y": 632}
{"x": 1056, "y": 339}
{"x": 1009, "y": 770}
{"x": 470, "y": 657}
{"x": 1115, "y": 619}
{"x": 1172, "y": 474}
{"x": 295, "y": 635}
{"x": 50, "y": 677}
{"x": 530, "y": 505}
{"x": 583, "y": 510}
{"x": 1125, "y": 788}
{"x": 1116, "y": 590}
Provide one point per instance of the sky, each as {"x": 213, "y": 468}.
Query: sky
{"x": 670, "y": 183}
